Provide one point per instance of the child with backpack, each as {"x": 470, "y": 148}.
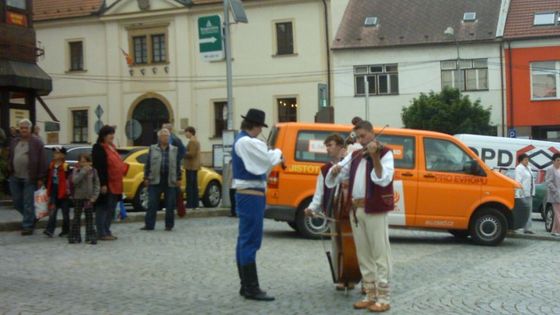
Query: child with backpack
{"x": 85, "y": 190}
{"x": 58, "y": 192}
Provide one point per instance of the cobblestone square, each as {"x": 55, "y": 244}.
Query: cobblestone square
{"x": 192, "y": 271}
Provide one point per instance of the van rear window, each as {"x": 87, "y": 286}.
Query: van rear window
{"x": 310, "y": 147}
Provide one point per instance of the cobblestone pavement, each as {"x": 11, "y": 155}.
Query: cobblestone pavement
{"x": 192, "y": 271}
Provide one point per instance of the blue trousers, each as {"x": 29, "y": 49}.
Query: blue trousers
{"x": 154, "y": 198}
{"x": 192, "y": 189}
{"x": 250, "y": 210}
{"x": 23, "y": 191}
{"x": 104, "y": 214}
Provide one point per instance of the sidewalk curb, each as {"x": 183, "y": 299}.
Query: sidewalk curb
{"x": 133, "y": 217}
{"x": 533, "y": 237}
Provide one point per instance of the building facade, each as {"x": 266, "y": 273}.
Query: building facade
{"x": 139, "y": 62}
{"x": 532, "y": 56}
{"x": 405, "y": 48}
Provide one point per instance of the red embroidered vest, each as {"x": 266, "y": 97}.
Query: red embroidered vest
{"x": 378, "y": 199}
{"x": 326, "y": 190}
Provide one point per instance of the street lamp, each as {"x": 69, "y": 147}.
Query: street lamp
{"x": 449, "y": 31}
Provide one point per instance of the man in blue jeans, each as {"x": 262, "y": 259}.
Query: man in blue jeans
{"x": 27, "y": 166}
{"x": 162, "y": 175}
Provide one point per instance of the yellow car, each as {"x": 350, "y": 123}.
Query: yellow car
{"x": 209, "y": 182}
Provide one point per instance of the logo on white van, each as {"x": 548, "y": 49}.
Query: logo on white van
{"x": 539, "y": 158}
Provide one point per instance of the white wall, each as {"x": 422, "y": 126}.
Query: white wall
{"x": 419, "y": 71}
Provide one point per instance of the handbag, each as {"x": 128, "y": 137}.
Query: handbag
{"x": 181, "y": 210}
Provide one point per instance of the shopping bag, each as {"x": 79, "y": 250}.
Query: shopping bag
{"x": 181, "y": 210}
{"x": 41, "y": 201}
{"x": 120, "y": 210}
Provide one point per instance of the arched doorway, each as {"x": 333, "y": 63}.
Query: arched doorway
{"x": 151, "y": 113}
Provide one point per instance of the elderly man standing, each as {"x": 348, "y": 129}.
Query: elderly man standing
{"x": 162, "y": 174}
{"x": 27, "y": 167}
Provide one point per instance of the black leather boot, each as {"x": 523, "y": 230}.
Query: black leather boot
{"x": 252, "y": 288}
{"x": 242, "y": 284}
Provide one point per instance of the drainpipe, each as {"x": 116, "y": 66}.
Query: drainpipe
{"x": 504, "y": 127}
{"x": 328, "y": 50}
{"x": 510, "y": 85}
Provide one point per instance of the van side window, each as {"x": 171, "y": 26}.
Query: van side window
{"x": 444, "y": 156}
{"x": 404, "y": 150}
{"x": 310, "y": 147}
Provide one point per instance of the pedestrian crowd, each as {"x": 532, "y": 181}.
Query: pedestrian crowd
{"x": 94, "y": 186}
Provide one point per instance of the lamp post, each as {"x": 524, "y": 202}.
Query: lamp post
{"x": 449, "y": 31}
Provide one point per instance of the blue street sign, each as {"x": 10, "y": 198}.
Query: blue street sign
{"x": 512, "y": 133}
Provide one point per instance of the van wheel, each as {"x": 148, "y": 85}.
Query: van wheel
{"x": 548, "y": 217}
{"x": 293, "y": 225}
{"x": 307, "y": 227}
{"x": 460, "y": 234}
{"x": 488, "y": 227}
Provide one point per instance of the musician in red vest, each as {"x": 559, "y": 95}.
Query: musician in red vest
{"x": 370, "y": 174}
{"x": 334, "y": 144}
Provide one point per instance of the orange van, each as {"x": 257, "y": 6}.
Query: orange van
{"x": 439, "y": 183}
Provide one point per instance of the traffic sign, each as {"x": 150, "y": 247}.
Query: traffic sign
{"x": 133, "y": 129}
{"x": 210, "y": 41}
{"x": 98, "y": 125}
{"x": 512, "y": 133}
{"x": 99, "y": 111}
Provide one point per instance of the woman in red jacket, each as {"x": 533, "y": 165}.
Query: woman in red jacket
{"x": 111, "y": 170}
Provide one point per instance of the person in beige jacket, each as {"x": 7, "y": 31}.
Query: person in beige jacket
{"x": 192, "y": 165}
{"x": 552, "y": 180}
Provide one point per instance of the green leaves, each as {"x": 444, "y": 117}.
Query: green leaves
{"x": 449, "y": 112}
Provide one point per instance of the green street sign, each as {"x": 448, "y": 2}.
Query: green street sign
{"x": 210, "y": 42}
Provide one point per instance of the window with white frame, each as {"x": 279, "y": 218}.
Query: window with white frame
{"x": 465, "y": 74}
{"x": 381, "y": 79}
{"x": 545, "y": 18}
{"x": 545, "y": 80}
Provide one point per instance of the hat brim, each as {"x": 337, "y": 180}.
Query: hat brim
{"x": 255, "y": 122}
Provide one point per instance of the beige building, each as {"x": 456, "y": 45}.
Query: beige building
{"x": 279, "y": 59}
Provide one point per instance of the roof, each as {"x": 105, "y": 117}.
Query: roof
{"x": 24, "y": 75}
{"x": 520, "y": 19}
{"x": 61, "y": 9}
{"x": 415, "y": 22}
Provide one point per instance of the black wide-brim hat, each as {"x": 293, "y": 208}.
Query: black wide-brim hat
{"x": 256, "y": 116}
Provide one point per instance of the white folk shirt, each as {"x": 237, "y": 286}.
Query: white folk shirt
{"x": 317, "y": 201}
{"x": 258, "y": 160}
{"x": 359, "y": 188}
{"x": 524, "y": 176}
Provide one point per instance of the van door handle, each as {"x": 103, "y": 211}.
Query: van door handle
{"x": 429, "y": 176}
{"x": 407, "y": 174}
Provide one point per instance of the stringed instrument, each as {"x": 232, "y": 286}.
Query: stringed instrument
{"x": 344, "y": 260}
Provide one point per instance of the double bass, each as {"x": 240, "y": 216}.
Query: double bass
{"x": 343, "y": 259}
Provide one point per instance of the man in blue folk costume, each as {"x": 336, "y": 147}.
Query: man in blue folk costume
{"x": 252, "y": 160}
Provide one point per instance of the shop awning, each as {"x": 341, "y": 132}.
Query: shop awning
{"x": 21, "y": 75}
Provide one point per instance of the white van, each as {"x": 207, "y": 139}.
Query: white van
{"x": 502, "y": 153}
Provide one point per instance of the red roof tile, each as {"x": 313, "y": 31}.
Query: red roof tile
{"x": 60, "y": 9}
{"x": 520, "y": 19}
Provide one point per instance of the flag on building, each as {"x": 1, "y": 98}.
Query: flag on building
{"x": 128, "y": 58}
